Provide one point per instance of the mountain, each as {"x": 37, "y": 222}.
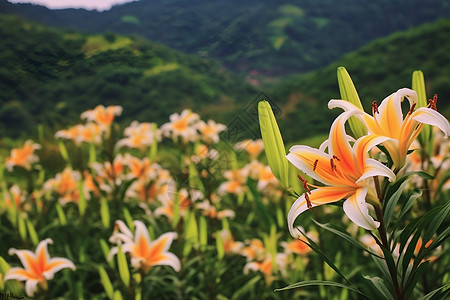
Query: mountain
{"x": 49, "y": 76}
{"x": 268, "y": 37}
{"x": 377, "y": 69}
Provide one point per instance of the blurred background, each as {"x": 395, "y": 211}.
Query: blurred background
{"x": 156, "y": 57}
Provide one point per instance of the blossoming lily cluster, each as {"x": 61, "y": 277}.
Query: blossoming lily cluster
{"x": 343, "y": 165}
{"x": 369, "y": 171}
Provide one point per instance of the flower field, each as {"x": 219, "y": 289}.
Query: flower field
{"x": 100, "y": 211}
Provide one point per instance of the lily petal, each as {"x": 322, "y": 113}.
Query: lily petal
{"x": 432, "y": 117}
{"x": 304, "y": 157}
{"x": 317, "y": 197}
{"x": 31, "y": 287}
{"x": 375, "y": 168}
{"x": 356, "y": 208}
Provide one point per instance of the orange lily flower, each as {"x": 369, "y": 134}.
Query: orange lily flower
{"x": 23, "y": 157}
{"x": 139, "y": 135}
{"x": 103, "y": 116}
{"x": 345, "y": 171}
{"x": 252, "y": 147}
{"x": 210, "y": 131}
{"x": 66, "y": 185}
{"x": 144, "y": 253}
{"x": 88, "y": 133}
{"x": 182, "y": 125}
{"x": 388, "y": 121}
{"x": 38, "y": 267}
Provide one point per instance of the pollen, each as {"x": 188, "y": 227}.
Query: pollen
{"x": 375, "y": 107}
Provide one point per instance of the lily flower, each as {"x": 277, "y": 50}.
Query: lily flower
{"x": 252, "y": 147}
{"x": 345, "y": 171}
{"x": 210, "y": 131}
{"x": 140, "y": 135}
{"x": 387, "y": 120}
{"x": 144, "y": 253}
{"x": 23, "y": 157}
{"x": 103, "y": 116}
{"x": 182, "y": 125}
{"x": 38, "y": 267}
{"x": 88, "y": 133}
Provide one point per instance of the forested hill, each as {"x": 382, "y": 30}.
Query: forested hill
{"x": 50, "y": 76}
{"x": 378, "y": 69}
{"x": 264, "y": 36}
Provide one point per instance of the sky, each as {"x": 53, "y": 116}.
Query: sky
{"x": 86, "y": 4}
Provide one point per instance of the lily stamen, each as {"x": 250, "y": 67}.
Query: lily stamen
{"x": 375, "y": 108}
{"x": 432, "y": 102}
{"x": 412, "y": 109}
{"x": 315, "y": 164}
{"x": 336, "y": 158}
{"x": 305, "y": 183}
{"x": 308, "y": 202}
{"x": 333, "y": 166}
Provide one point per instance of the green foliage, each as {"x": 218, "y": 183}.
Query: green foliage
{"x": 271, "y": 36}
{"x": 47, "y": 75}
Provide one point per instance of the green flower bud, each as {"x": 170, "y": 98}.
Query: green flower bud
{"x": 275, "y": 150}
{"x": 418, "y": 85}
{"x": 349, "y": 93}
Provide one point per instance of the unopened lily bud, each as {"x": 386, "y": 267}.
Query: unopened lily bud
{"x": 349, "y": 93}
{"x": 274, "y": 148}
{"x": 418, "y": 85}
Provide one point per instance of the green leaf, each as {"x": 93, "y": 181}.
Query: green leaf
{"x": 246, "y": 288}
{"x": 316, "y": 249}
{"x": 343, "y": 234}
{"x": 434, "y": 292}
{"x": 262, "y": 209}
{"x": 390, "y": 204}
{"x": 414, "y": 277}
{"x": 319, "y": 283}
{"x": 380, "y": 286}
{"x": 436, "y": 222}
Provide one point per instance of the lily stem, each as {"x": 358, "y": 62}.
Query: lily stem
{"x": 385, "y": 243}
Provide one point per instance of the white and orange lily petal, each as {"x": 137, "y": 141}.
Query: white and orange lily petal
{"x": 23, "y": 157}
{"x": 345, "y": 171}
{"x": 37, "y": 267}
{"x": 387, "y": 120}
{"x": 145, "y": 253}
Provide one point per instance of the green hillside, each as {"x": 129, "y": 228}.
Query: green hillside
{"x": 377, "y": 69}
{"x": 50, "y": 76}
{"x": 268, "y": 37}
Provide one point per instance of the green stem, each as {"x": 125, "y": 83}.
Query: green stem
{"x": 385, "y": 243}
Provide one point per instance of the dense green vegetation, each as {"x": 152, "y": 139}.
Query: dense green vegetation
{"x": 269, "y": 37}
{"x": 48, "y": 76}
{"x": 377, "y": 69}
